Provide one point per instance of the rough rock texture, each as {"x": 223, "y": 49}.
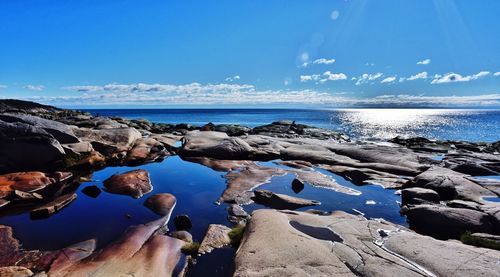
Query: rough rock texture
{"x": 281, "y": 201}
{"x": 214, "y": 145}
{"x": 161, "y": 203}
{"x": 135, "y": 183}
{"x": 113, "y": 143}
{"x": 346, "y": 245}
{"x": 145, "y": 150}
{"x": 318, "y": 179}
{"x": 11, "y": 253}
{"x": 446, "y": 222}
{"x": 20, "y": 140}
{"x": 236, "y": 214}
{"x": 15, "y": 271}
{"x": 60, "y": 131}
{"x": 30, "y": 182}
{"x": 216, "y": 237}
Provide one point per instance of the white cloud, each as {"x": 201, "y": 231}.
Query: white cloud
{"x": 421, "y": 75}
{"x": 365, "y": 78}
{"x": 424, "y": 62}
{"x": 496, "y": 74}
{"x": 455, "y": 77}
{"x": 3, "y": 86}
{"x": 306, "y": 78}
{"x": 34, "y": 87}
{"x": 326, "y": 76}
{"x": 206, "y": 94}
{"x": 389, "y": 80}
{"x": 319, "y": 61}
{"x": 334, "y": 15}
{"x": 369, "y": 64}
{"x": 233, "y": 78}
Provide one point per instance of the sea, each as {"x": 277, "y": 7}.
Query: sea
{"x": 476, "y": 125}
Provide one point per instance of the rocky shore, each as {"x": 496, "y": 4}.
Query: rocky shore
{"x": 46, "y": 152}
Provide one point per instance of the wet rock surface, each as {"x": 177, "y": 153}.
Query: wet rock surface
{"x": 281, "y": 201}
{"x": 216, "y": 237}
{"x": 134, "y": 183}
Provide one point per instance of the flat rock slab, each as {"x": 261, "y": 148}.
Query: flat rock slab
{"x": 281, "y": 201}
{"x": 219, "y": 165}
{"x": 214, "y": 145}
{"x": 318, "y": 179}
{"x": 240, "y": 182}
{"x": 216, "y": 237}
{"x": 53, "y": 206}
{"x": 161, "y": 203}
{"x": 134, "y": 183}
{"x": 290, "y": 243}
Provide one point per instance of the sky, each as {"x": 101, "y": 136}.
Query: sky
{"x": 280, "y": 53}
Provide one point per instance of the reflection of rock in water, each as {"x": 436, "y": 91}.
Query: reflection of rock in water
{"x": 317, "y": 232}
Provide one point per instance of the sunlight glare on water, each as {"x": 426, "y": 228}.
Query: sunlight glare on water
{"x": 389, "y": 123}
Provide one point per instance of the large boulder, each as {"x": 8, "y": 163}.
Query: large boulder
{"x": 113, "y": 143}
{"x": 60, "y": 131}
{"x": 450, "y": 185}
{"x": 341, "y": 244}
{"x": 446, "y": 222}
{"x": 27, "y": 147}
{"x": 145, "y": 150}
{"x": 214, "y": 145}
{"x": 31, "y": 182}
{"x": 417, "y": 195}
{"x": 134, "y": 183}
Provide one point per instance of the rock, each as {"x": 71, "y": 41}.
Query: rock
{"x": 208, "y": 127}
{"x": 145, "y": 150}
{"x": 134, "y": 183}
{"x": 91, "y": 191}
{"x": 236, "y": 214}
{"x": 53, "y": 207}
{"x": 214, "y": 145}
{"x": 486, "y": 237}
{"x": 363, "y": 176}
{"x": 161, "y": 203}
{"x": 240, "y": 182}
{"x": 31, "y": 182}
{"x": 318, "y": 179}
{"x": 113, "y": 143}
{"x": 11, "y": 254}
{"x": 182, "y": 222}
{"x": 60, "y": 131}
{"x": 141, "y": 251}
{"x": 183, "y": 235}
{"x": 72, "y": 255}
{"x": 219, "y": 165}
{"x": 78, "y": 148}
{"x": 449, "y": 185}
{"x": 346, "y": 245}
{"x": 216, "y": 237}
{"x": 20, "y": 140}
{"x": 463, "y": 204}
{"x": 297, "y": 164}
{"x": 15, "y": 271}
{"x": 232, "y": 130}
{"x": 297, "y": 185}
{"x": 445, "y": 222}
{"x": 281, "y": 201}
{"x": 414, "y": 195}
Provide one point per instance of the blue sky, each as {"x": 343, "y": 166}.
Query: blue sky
{"x": 251, "y": 53}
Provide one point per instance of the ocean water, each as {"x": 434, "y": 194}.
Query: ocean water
{"x": 366, "y": 124}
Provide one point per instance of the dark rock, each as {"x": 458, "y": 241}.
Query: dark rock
{"x": 161, "y": 203}
{"x": 20, "y": 140}
{"x": 182, "y": 222}
{"x": 135, "y": 183}
{"x": 297, "y": 185}
{"x": 91, "y": 191}
{"x": 208, "y": 127}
